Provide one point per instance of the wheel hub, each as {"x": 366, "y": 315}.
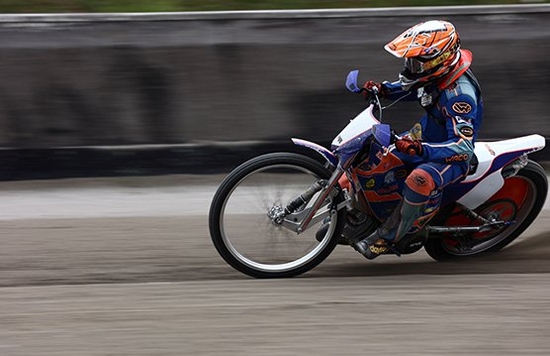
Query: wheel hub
{"x": 276, "y": 214}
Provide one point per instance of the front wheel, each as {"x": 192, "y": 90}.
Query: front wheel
{"x": 241, "y": 221}
{"x": 520, "y": 201}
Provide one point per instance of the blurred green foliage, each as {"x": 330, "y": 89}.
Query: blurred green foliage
{"x": 63, "y": 6}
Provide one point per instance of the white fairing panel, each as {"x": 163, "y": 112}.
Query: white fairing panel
{"x": 486, "y": 153}
{"x": 483, "y": 190}
{"x": 358, "y": 125}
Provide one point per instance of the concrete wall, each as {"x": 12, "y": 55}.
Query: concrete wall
{"x": 110, "y": 80}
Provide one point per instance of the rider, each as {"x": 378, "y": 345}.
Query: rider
{"x": 441, "y": 145}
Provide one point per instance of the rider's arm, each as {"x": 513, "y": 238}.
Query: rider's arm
{"x": 460, "y": 113}
{"x": 394, "y": 91}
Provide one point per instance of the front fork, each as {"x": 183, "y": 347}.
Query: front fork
{"x": 297, "y": 216}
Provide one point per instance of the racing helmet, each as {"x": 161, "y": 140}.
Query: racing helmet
{"x": 431, "y": 49}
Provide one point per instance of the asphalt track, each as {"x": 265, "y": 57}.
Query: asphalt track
{"x": 125, "y": 267}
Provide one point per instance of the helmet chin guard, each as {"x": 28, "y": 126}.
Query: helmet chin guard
{"x": 405, "y": 82}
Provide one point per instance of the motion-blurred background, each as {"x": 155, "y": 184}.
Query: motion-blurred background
{"x": 117, "y": 88}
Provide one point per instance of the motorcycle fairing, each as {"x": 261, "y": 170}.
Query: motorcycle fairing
{"x": 327, "y": 154}
{"x": 351, "y": 139}
{"x": 475, "y": 189}
{"x": 357, "y": 127}
{"x": 381, "y": 179}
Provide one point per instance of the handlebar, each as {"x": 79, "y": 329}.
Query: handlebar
{"x": 373, "y": 97}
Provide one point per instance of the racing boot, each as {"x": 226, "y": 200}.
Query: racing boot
{"x": 372, "y": 246}
{"x": 391, "y": 230}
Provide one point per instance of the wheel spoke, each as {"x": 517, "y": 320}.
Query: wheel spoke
{"x": 251, "y": 235}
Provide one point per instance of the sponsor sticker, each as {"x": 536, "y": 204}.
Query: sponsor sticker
{"x": 416, "y": 132}
{"x": 457, "y": 158}
{"x": 389, "y": 178}
{"x": 370, "y": 183}
{"x": 400, "y": 174}
{"x": 467, "y": 131}
{"x": 462, "y": 107}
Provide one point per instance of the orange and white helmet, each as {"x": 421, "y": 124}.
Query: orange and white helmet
{"x": 430, "y": 49}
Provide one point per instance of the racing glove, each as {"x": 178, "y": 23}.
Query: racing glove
{"x": 369, "y": 87}
{"x": 409, "y": 146}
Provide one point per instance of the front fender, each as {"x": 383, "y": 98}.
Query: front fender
{"x": 324, "y": 152}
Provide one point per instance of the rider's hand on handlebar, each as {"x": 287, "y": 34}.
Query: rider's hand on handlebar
{"x": 409, "y": 146}
{"x": 371, "y": 87}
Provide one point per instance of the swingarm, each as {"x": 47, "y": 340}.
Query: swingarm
{"x": 487, "y": 224}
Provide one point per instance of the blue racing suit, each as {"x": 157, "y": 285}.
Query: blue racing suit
{"x": 454, "y": 111}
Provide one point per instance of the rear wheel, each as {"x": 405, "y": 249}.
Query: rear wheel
{"x": 520, "y": 200}
{"x": 241, "y": 221}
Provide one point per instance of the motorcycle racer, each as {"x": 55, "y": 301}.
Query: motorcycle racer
{"x": 439, "y": 147}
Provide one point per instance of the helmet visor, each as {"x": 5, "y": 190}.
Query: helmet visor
{"x": 414, "y": 66}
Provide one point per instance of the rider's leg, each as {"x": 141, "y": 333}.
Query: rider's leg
{"x": 421, "y": 182}
{"x": 418, "y": 188}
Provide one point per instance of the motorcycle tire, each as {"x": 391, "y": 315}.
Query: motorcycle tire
{"x": 520, "y": 200}
{"x": 246, "y": 237}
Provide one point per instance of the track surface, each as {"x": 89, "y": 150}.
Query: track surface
{"x": 126, "y": 267}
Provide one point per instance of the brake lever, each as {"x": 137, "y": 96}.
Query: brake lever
{"x": 393, "y": 138}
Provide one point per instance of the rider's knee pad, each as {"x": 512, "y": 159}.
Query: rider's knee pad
{"x": 420, "y": 182}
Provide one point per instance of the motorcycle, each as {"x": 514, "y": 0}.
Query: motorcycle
{"x": 282, "y": 214}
